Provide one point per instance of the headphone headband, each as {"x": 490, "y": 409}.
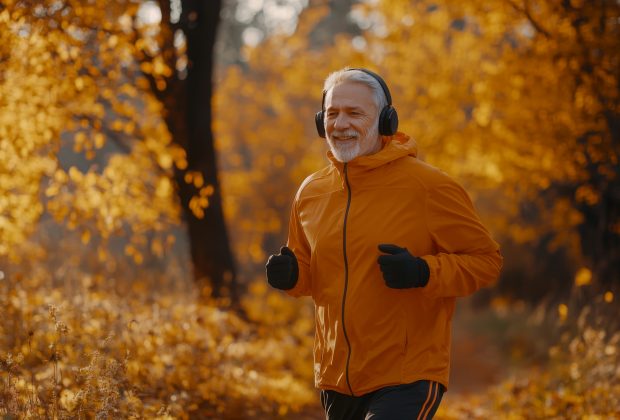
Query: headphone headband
{"x": 375, "y": 76}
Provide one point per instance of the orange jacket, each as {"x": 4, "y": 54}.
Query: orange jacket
{"x": 367, "y": 335}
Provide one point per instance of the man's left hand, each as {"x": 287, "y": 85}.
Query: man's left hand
{"x": 400, "y": 269}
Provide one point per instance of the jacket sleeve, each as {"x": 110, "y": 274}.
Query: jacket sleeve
{"x": 298, "y": 243}
{"x": 467, "y": 257}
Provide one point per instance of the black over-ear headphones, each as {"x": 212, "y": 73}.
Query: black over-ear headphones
{"x": 388, "y": 118}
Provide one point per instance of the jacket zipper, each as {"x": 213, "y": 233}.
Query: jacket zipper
{"x": 346, "y": 273}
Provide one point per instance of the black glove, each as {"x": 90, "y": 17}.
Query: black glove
{"x": 282, "y": 269}
{"x": 400, "y": 269}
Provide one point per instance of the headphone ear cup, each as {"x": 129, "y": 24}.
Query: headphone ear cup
{"x": 388, "y": 121}
{"x": 320, "y": 125}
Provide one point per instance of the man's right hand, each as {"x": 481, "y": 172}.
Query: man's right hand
{"x": 282, "y": 269}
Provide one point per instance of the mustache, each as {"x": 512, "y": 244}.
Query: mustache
{"x": 346, "y": 133}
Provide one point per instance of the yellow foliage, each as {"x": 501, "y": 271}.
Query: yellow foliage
{"x": 98, "y": 355}
{"x": 61, "y": 91}
{"x": 583, "y": 277}
{"x": 563, "y": 311}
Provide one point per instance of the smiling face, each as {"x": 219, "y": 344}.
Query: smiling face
{"x": 351, "y": 121}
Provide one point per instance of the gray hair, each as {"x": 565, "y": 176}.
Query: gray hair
{"x": 348, "y": 75}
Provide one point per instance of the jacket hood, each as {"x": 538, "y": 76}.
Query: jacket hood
{"x": 394, "y": 147}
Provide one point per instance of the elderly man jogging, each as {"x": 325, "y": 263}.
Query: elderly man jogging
{"x": 384, "y": 244}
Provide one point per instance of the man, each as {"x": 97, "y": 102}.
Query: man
{"x": 384, "y": 243}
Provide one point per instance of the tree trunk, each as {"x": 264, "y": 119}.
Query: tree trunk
{"x": 188, "y": 116}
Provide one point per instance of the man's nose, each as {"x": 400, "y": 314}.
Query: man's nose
{"x": 341, "y": 122}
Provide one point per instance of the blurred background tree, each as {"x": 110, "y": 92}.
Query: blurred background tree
{"x": 101, "y": 155}
{"x": 136, "y": 77}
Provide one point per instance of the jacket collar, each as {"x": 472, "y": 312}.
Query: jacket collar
{"x": 394, "y": 147}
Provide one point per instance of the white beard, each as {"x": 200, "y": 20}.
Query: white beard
{"x": 346, "y": 151}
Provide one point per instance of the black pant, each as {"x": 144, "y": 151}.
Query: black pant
{"x": 416, "y": 401}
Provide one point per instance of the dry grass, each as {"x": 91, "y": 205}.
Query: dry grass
{"x": 97, "y": 355}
